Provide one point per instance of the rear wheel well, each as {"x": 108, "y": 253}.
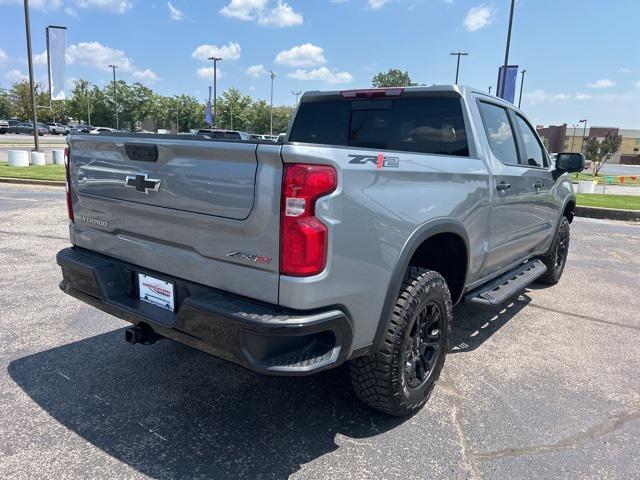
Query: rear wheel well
{"x": 445, "y": 253}
{"x": 568, "y": 210}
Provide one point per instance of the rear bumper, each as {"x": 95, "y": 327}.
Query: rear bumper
{"x": 265, "y": 338}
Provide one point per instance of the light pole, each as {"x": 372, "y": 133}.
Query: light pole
{"x": 273, "y": 76}
{"x": 458, "y": 54}
{"x": 297, "y": 94}
{"x": 584, "y": 133}
{"x": 27, "y": 25}
{"x": 86, "y": 92}
{"x": 177, "y": 115}
{"x": 115, "y": 94}
{"x": 500, "y": 93}
{"x": 215, "y": 86}
{"x": 521, "y": 85}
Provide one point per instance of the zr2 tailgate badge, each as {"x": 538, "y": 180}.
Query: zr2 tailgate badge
{"x": 250, "y": 257}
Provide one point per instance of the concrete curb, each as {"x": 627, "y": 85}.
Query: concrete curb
{"x": 31, "y": 181}
{"x": 608, "y": 213}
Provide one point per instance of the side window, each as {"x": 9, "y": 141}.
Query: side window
{"x": 499, "y": 133}
{"x": 535, "y": 156}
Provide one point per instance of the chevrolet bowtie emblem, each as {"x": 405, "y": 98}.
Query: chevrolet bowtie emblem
{"x": 142, "y": 183}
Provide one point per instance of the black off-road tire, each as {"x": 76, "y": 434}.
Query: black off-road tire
{"x": 556, "y": 258}
{"x": 381, "y": 379}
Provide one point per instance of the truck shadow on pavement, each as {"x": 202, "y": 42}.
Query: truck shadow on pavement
{"x": 170, "y": 411}
{"x": 474, "y": 323}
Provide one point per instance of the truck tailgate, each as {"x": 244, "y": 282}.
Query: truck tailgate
{"x": 202, "y": 210}
{"x": 194, "y": 177}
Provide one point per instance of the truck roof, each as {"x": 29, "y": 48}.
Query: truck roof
{"x": 462, "y": 90}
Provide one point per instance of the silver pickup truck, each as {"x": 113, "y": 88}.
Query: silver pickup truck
{"x": 349, "y": 241}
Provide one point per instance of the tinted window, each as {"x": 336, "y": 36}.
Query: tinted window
{"x": 499, "y": 133}
{"x": 534, "y": 154}
{"x": 426, "y": 124}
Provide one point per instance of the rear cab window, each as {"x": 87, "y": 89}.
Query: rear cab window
{"x": 432, "y": 123}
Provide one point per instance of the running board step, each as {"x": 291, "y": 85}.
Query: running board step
{"x": 507, "y": 285}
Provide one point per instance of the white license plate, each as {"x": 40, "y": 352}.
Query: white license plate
{"x": 156, "y": 291}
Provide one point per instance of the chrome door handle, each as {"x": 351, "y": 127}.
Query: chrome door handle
{"x": 503, "y": 186}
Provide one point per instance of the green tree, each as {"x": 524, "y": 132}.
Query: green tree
{"x": 139, "y": 107}
{"x": 5, "y": 104}
{"x": 599, "y": 151}
{"x": 392, "y": 78}
{"x": 233, "y": 110}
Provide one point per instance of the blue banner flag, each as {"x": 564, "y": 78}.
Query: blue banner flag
{"x": 207, "y": 111}
{"x": 507, "y": 83}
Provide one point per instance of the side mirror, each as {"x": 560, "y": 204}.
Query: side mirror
{"x": 570, "y": 162}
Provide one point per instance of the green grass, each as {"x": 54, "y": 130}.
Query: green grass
{"x": 44, "y": 172}
{"x": 624, "y": 202}
{"x": 615, "y": 179}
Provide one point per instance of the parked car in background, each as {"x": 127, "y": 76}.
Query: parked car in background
{"x": 224, "y": 134}
{"x": 269, "y": 138}
{"x": 82, "y": 129}
{"x": 27, "y": 128}
{"x": 58, "y": 128}
{"x": 4, "y": 126}
{"x": 97, "y": 130}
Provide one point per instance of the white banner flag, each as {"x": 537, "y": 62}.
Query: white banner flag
{"x": 56, "y": 48}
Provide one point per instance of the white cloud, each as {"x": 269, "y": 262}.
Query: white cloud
{"x": 638, "y": 84}
{"x": 602, "y": 83}
{"x": 478, "y": 17}
{"x": 230, "y": 51}
{"x": 206, "y": 73}
{"x": 113, "y": 6}
{"x": 145, "y": 76}
{"x": 583, "y": 96}
{"x": 376, "y": 4}
{"x": 625, "y": 70}
{"x": 71, "y": 12}
{"x": 15, "y": 76}
{"x": 3, "y": 56}
{"x": 174, "y": 13}
{"x": 96, "y": 55}
{"x": 540, "y": 96}
{"x": 256, "y": 71}
{"x": 306, "y": 55}
{"x": 265, "y": 12}
{"x": 322, "y": 74}
{"x": 40, "y": 58}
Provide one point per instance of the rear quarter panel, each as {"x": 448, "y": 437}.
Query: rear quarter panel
{"x": 371, "y": 216}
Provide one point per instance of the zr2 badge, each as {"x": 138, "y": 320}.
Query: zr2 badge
{"x": 380, "y": 161}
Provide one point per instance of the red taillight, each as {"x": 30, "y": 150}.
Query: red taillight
{"x": 372, "y": 92}
{"x": 303, "y": 238}
{"x": 68, "y": 184}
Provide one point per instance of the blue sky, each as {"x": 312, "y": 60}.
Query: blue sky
{"x": 582, "y": 58}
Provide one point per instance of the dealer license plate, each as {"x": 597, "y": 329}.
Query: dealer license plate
{"x": 156, "y": 291}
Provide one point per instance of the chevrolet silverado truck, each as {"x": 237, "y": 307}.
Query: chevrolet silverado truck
{"x": 348, "y": 242}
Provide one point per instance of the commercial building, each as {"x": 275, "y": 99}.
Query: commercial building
{"x": 562, "y": 138}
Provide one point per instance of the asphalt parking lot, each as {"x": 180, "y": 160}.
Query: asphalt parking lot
{"x": 547, "y": 387}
